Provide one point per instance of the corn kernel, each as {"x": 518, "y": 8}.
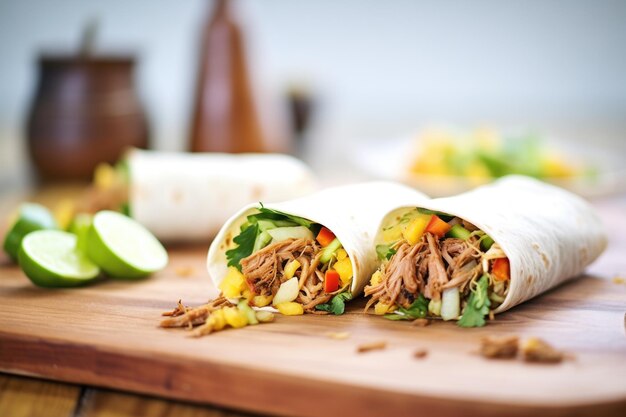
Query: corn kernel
{"x": 377, "y": 278}
{"x": 344, "y": 268}
{"x": 291, "y": 268}
{"x": 234, "y": 317}
{"x": 217, "y": 320}
{"x": 262, "y": 300}
{"x": 290, "y": 308}
{"x": 381, "y": 309}
{"x": 233, "y": 283}
{"x": 341, "y": 254}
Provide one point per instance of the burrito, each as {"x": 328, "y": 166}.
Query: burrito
{"x": 306, "y": 255}
{"x": 183, "y": 196}
{"x": 470, "y": 256}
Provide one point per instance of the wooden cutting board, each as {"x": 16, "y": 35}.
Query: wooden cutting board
{"x": 106, "y": 335}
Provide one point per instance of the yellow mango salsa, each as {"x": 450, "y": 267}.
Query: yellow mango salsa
{"x": 234, "y": 317}
{"x": 233, "y": 284}
{"x": 414, "y": 230}
{"x": 377, "y": 278}
{"x": 291, "y": 268}
{"x": 290, "y": 308}
{"x": 344, "y": 268}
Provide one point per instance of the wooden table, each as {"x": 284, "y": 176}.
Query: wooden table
{"x": 30, "y": 397}
{"x": 25, "y": 396}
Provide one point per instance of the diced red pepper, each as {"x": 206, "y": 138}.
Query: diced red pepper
{"x": 437, "y": 227}
{"x": 325, "y": 236}
{"x": 501, "y": 269}
{"x": 331, "y": 281}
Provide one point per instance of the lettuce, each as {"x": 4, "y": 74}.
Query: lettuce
{"x": 250, "y": 230}
{"x": 384, "y": 252}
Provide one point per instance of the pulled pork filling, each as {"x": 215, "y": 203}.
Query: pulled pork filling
{"x": 428, "y": 267}
{"x": 290, "y": 262}
{"x": 429, "y": 255}
{"x": 264, "y": 271}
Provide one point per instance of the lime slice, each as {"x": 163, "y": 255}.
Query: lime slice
{"x": 31, "y": 217}
{"x": 50, "y": 259}
{"x": 80, "y": 227}
{"x": 122, "y": 247}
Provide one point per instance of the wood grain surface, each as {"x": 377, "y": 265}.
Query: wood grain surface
{"x": 106, "y": 335}
{"x": 29, "y": 397}
{"x": 25, "y": 397}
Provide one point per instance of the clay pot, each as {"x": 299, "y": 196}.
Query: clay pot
{"x": 85, "y": 111}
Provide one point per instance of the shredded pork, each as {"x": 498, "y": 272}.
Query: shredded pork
{"x": 183, "y": 316}
{"x": 428, "y": 267}
{"x": 264, "y": 271}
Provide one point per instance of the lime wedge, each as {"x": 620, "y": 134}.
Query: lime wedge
{"x": 31, "y": 217}
{"x": 50, "y": 259}
{"x": 122, "y": 247}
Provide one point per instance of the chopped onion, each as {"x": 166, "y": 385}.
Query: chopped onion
{"x": 288, "y": 291}
{"x": 450, "y": 304}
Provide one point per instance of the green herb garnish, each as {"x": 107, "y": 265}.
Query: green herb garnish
{"x": 275, "y": 215}
{"x": 337, "y": 304}
{"x": 417, "y": 310}
{"x": 245, "y": 245}
{"x": 477, "y": 306}
{"x": 251, "y": 228}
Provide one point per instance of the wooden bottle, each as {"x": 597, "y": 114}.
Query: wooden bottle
{"x": 224, "y": 118}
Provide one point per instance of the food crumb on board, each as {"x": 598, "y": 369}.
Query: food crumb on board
{"x": 420, "y": 354}
{"x": 532, "y": 349}
{"x": 338, "y": 335}
{"x": 619, "y": 280}
{"x": 420, "y": 322}
{"x": 367, "y": 347}
{"x": 499, "y": 347}
{"x": 184, "y": 271}
{"x": 180, "y": 309}
{"x": 537, "y": 350}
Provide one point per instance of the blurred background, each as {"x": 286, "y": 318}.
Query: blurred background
{"x": 368, "y": 76}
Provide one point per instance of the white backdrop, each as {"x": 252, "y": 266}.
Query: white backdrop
{"x": 379, "y": 68}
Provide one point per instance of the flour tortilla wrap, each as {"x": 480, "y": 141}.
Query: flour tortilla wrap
{"x": 351, "y": 212}
{"x": 182, "y": 196}
{"x": 549, "y": 235}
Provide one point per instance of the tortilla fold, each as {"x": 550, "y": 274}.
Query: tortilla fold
{"x": 351, "y": 212}
{"x": 549, "y": 235}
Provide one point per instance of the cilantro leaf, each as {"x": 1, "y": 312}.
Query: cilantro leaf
{"x": 337, "y": 304}
{"x": 269, "y": 214}
{"x": 384, "y": 252}
{"x": 245, "y": 245}
{"x": 477, "y": 306}
{"x": 417, "y": 310}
